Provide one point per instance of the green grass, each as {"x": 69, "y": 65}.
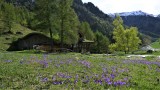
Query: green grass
{"x": 76, "y": 71}
{"x": 9, "y": 38}
{"x": 155, "y": 45}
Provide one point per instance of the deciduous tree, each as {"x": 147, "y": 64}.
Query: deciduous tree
{"x": 126, "y": 40}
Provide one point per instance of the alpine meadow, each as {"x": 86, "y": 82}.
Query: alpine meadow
{"x": 77, "y": 45}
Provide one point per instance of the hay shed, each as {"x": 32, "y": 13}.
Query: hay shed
{"x": 27, "y": 42}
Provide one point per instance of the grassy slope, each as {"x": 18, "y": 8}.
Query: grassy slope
{"x": 155, "y": 45}
{"x": 8, "y": 38}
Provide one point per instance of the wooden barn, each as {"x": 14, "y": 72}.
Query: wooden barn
{"x": 42, "y": 42}
{"x": 83, "y": 44}
{"x": 29, "y": 41}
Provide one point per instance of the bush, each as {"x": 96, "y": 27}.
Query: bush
{"x": 150, "y": 51}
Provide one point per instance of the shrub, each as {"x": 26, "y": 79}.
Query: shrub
{"x": 150, "y": 51}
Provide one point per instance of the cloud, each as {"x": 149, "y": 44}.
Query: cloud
{"x": 114, "y": 6}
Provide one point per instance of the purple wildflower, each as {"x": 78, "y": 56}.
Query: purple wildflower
{"x": 107, "y": 80}
{"x": 125, "y": 79}
{"x": 110, "y": 83}
{"x": 158, "y": 70}
{"x": 57, "y": 82}
{"x": 76, "y": 79}
{"x": 104, "y": 70}
{"x": 98, "y": 81}
{"x": 85, "y": 63}
{"x": 44, "y": 79}
{"x": 86, "y": 80}
{"x": 119, "y": 83}
{"x": 44, "y": 63}
{"x": 57, "y": 65}
{"x": 68, "y": 77}
{"x": 96, "y": 75}
{"x": 113, "y": 69}
{"x": 21, "y": 62}
{"x": 112, "y": 76}
{"x": 53, "y": 78}
{"x": 61, "y": 75}
{"x": 8, "y": 61}
{"x": 69, "y": 61}
{"x": 45, "y": 56}
{"x": 77, "y": 76}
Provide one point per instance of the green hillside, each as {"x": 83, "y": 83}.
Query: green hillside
{"x": 17, "y": 31}
{"x": 62, "y": 23}
{"x": 156, "y": 45}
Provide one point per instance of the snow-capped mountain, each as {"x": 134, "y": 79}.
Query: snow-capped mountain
{"x": 134, "y": 13}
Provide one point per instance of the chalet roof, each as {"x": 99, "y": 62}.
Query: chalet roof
{"x": 87, "y": 41}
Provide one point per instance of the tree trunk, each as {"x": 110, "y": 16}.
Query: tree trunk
{"x": 125, "y": 52}
{"x": 51, "y": 36}
{"x": 62, "y": 31}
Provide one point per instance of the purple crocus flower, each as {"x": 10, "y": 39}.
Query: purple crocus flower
{"x": 53, "y": 78}
{"x": 69, "y": 61}
{"x": 45, "y": 57}
{"x": 61, "y": 75}
{"x": 8, "y": 61}
{"x": 57, "y": 82}
{"x": 107, "y": 80}
{"x": 119, "y": 83}
{"x": 98, "y": 81}
{"x": 44, "y": 79}
{"x": 44, "y": 63}
{"x": 109, "y": 83}
{"x": 85, "y": 63}
{"x": 126, "y": 79}
{"x": 86, "y": 80}
{"x": 112, "y": 76}
{"x": 76, "y": 79}
{"x": 104, "y": 70}
{"x": 21, "y": 62}
{"x": 68, "y": 77}
{"x": 57, "y": 65}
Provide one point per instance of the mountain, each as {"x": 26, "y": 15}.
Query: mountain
{"x": 96, "y": 11}
{"x": 158, "y": 16}
{"x": 146, "y": 23}
{"x": 134, "y": 13}
{"x": 88, "y": 12}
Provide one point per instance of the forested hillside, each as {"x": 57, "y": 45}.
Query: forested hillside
{"x": 27, "y": 3}
{"x": 56, "y": 19}
{"x": 96, "y": 18}
{"x": 148, "y": 25}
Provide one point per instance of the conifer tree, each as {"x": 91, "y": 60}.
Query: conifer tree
{"x": 45, "y": 16}
{"x": 101, "y": 43}
{"x": 57, "y": 16}
{"x": 9, "y": 16}
{"x": 68, "y": 23}
{"x": 85, "y": 29}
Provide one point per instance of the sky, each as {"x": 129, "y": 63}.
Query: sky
{"x": 117, "y": 6}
